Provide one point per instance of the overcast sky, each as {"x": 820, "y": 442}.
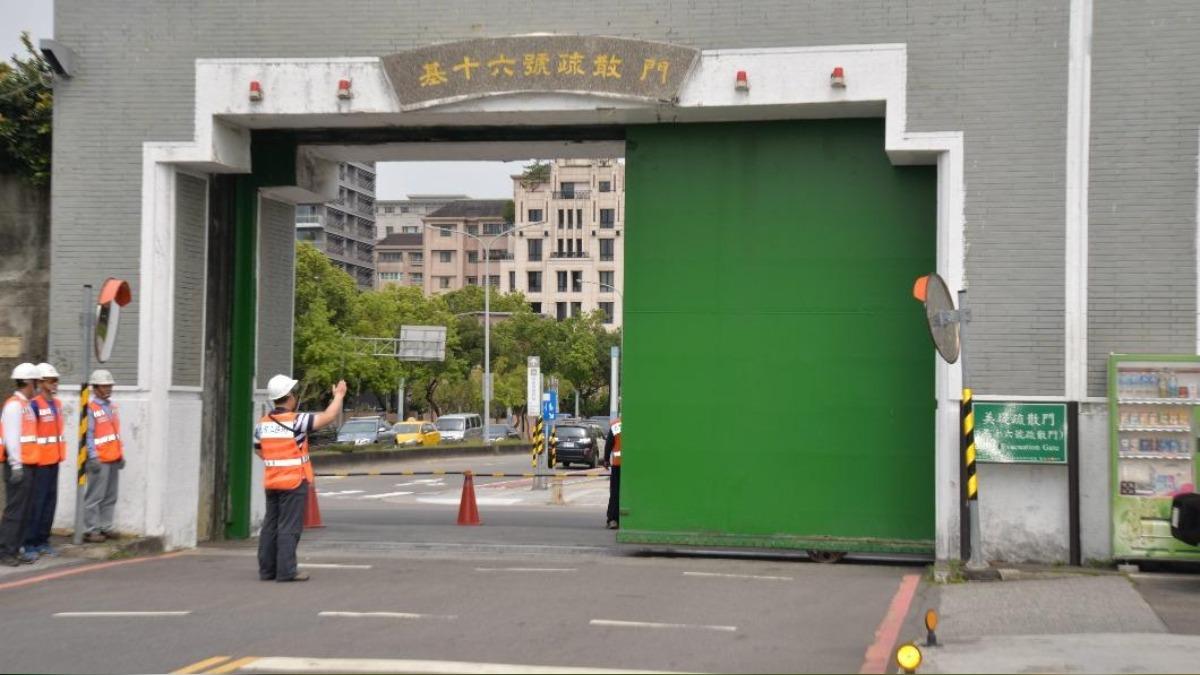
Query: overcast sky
{"x": 481, "y": 180}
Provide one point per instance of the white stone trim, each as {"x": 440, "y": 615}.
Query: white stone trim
{"x": 785, "y": 83}
{"x": 1079, "y": 104}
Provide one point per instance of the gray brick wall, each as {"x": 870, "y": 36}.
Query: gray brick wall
{"x": 276, "y": 288}
{"x": 1142, "y": 192}
{"x": 996, "y": 71}
{"x": 191, "y": 230}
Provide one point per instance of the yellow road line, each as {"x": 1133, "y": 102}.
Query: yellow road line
{"x": 234, "y": 665}
{"x": 201, "y": 665}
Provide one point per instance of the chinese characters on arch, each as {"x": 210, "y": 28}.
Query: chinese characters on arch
{"x": 619, "y": 67}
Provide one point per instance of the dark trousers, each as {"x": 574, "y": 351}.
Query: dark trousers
{"x": 281, "y": 532}
{"x": 42, "y": 505}
{"x": 16, "y": 511}
{"x": 614, "y": 495}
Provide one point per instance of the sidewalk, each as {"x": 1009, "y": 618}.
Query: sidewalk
{"x": 71, "y": 555}
{"x": 1074, "y": 623}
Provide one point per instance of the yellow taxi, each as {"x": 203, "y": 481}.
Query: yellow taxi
{"x": 416, "y": 432}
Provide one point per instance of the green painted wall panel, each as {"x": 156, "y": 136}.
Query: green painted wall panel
{"x": 779, "y": 376}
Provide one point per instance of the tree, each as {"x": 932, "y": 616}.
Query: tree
{"x": 510, "y": 212}
{"x": 26, "y": 116}
{"x": 535, "y": 174}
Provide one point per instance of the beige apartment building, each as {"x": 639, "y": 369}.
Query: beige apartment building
{"x": 454, "y": 241}
{"x": 403, "y": 216}
{"x": 400, "y": 260}
{"x": 573, "y": 264}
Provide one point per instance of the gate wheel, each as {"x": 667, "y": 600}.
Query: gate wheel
{"x": 827, "y": 557}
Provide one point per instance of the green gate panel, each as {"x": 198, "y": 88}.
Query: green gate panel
{"x": 779, "y": 380}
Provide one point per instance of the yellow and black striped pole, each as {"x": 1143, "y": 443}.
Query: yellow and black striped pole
{"x": 81, "y": 458}
{"x": 538, "y": 439}
{"x": 968, "y": 444}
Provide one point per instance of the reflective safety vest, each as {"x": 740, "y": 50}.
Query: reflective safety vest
{"x": 50, "y": 430}
{"x": 285, "y": 461}
{"x": 30, "y": 450}
{"x": 616, "y": 448}
{"x": 106, "y": 433}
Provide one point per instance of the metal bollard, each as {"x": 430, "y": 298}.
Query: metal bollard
{"x": 556, "y": 491}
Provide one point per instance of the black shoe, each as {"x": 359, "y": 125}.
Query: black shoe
{"x": 10, "y": 561}
{"x": 298, "y": 577}
{"x": 612, "y": 525}
{"x": 262, "y": 578}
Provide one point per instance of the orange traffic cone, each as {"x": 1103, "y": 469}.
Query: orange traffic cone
{"x": 468, "y": 512}
{"x": 312, "y": 512}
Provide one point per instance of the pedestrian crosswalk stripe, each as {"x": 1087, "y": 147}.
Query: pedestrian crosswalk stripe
{"x": 388, "y": 494}
{"x": 292, "y": 664}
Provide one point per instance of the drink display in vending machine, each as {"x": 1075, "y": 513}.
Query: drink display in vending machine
{"x": 1153, "y": 407}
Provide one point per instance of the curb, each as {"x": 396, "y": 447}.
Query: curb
{"x": 341, "y": 460}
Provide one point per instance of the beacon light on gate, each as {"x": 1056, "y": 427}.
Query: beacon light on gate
{"x": 837, "y": 78}
{"x": 344, "y": 89}
{"x": 908, "y": 657}
{"x": 255, "y": 90}
{"x": 741, "y": 83}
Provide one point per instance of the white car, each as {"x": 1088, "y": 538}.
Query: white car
{"x": 460, "y": 427}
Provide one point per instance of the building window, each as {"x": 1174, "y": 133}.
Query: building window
{"x": 606, "y": 282}
{"x": 560, "y": 218}
{"x": 534, "y": 216}
{"x": 534, "y": 280}
{"x": 576, "y": 281}
{"x": 607, "y": 308}
{"x": 391, "y": 257}
{"x": 560, "y": 310}
{"x": 417, "y": 278}
{"x": 493, "y": 228}
{"x": 534, "y": 249}
{"x": 579, "y": 247}
{"x": 443, "y": 282}
{"x": 472, "y": 256}
{"x": 410, "y": 229}
{"x": 445, "y": 230}
{"x": 579, "y": 218}
{"x": 607, "y": 218}
{"x": 472, "y": 281}
{"x": 416, "y": 258}
{"x": 562, "y": 281}
{"x": 391, "y": 276}
{"x": 389, "y": 209}
{"x": 472, "y": 229}
{"x": 445, "y": 256}
{"x": 606, "y": 186}
{"x": 567, "y": 190}
{"x": 494, "y": 280}
{"x": 512, "y": 281}
{"x": 576, "y": 308}
{"x": 570, "y": 218}
{"x": 535, "y": 307}
{"x": 606, "y": 249}
{"x": 561, "y": 251}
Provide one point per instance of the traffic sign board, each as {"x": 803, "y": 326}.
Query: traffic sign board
{"x": 533, "y": 384}
{"x": 550, "y": 405}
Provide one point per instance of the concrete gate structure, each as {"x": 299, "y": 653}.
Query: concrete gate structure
{"x": 194, "y": 160}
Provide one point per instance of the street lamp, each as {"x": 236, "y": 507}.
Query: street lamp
{"x": 486, "y": 244}
{"x": 613, "y": 397}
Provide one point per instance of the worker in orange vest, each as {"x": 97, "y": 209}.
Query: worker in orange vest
{"x": 105, "y": 460}
{"x": 47, "y": 407}
{"x": 281, "y": 441}
{"x": 612, "y": 460}
{"x": 19, "y": 452}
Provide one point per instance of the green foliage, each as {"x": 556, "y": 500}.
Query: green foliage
{"x": 510, "y": 212}
{"x": 535, "y": 174}
{"x": 26, "y": 116}
{"x": 331, "y": 312}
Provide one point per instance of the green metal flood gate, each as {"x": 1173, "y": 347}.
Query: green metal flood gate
{"x": 779, "y": 381}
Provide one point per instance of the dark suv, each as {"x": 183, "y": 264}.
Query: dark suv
{"x": 579, "y": 443}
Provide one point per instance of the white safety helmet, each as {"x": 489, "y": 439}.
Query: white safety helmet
{"x": 26, "y": 371}
{"x": 280, "y": 386}
{"x": 101, "y": 376}
{"x": 47, "y": 371}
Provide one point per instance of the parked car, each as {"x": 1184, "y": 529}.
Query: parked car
{"x": 579, "y": 444}
{"x": 460, "y": 427}
{"x": 416, "y": 432}
{"x": 500, "y": 432}
{"x": 363, "y": 430}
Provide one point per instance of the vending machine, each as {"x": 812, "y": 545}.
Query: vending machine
{"x": 1153, "y": 403}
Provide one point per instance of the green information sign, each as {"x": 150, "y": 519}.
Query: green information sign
{"x": 1021, "y": 433}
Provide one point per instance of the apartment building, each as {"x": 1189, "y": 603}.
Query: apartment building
{"x": 344, "y": 229}
{"x": 403, "y": 216}
{"x": 452, "y": 251}
{"x": 400, "y": 260}
{"x": 572, "y": 264}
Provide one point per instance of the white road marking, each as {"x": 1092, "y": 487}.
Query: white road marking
{"x": 388, "y": 615}
{"x": 422, "y": 481}
{"x": 651, "y": 624}
{"x": 333, "y": 566}
{"x": 481, "y": 501}
{"x": 526, "y": 569}
{"x": 737, "y": 576}
{"x": 340, "y": 492}
{"x": 289, "y": 664}
{"x": 84, "y": 615}
{"x": 387, "y": 494}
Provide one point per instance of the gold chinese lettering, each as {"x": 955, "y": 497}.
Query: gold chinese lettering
{"x": 570, "y": 64}
{"x": 537, "y": 64}
{"x": 502, "y": 64}
{"x": 465, "y": 67}
{"x": 432, "y": 75}
{"x": 607, "y": 66}
{"x": 652, "y": 65}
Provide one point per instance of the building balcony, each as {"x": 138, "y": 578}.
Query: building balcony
{"x": 311, "y": 219}
{"x": 606, "y": 257}
{"x": 572, "y": 255}
{"x": 577, "y": 194}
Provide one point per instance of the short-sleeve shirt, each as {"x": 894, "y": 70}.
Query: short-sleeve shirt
{"x": 302, "y": 426}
